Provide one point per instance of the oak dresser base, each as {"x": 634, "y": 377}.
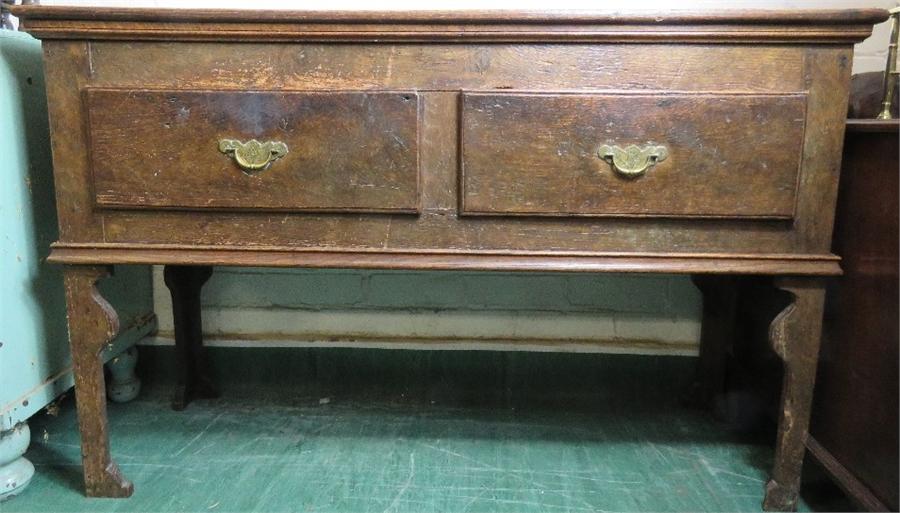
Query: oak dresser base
{"x": 704, "y": 144}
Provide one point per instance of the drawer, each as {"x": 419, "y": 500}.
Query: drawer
{"x": 347, "y": 151}
{"x": 633, "y": 155}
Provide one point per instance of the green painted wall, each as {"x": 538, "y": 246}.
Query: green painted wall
{"x": 34, "y": 354}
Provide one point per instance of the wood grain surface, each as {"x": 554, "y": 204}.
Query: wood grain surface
{"x": 734, "y": 26}
{"x": 347, "y": 151}
{"x": 438, "y": 74}
{"x": 412, "y": 120}
{"x": 855, "y": 419}
{"x": 735, "y": 156}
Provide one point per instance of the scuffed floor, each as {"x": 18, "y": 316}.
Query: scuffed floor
{"x": 267, "y": 449}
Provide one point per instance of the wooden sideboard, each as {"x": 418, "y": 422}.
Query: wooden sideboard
{"x": 855, "y": 426}
{"x": 699, "y": 143}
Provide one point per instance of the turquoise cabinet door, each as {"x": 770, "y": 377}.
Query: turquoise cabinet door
{"x": 35, "y": 366}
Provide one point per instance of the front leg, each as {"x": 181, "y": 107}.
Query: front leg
{"x": 92, "y": 324}
{"x": 794, "y": 335}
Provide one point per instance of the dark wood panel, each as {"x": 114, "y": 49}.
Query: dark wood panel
{"x": 346, "y": 151}
{"x": 855, "y": 420}
{"x": 734, "y": 156}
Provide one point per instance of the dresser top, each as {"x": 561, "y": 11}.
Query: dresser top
{"x": 725, "y": 26}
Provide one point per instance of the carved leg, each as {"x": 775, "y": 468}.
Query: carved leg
{"x": 194, "y": 380}
{"x": 92, "y": 324}
{"x": 795, "y": 335}
{"x": 716, "y": 337}
{"x": 124, "y": 384}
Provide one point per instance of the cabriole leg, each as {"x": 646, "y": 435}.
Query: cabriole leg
{"x": 794, "y": 335}
{"x": 92, "y": 324}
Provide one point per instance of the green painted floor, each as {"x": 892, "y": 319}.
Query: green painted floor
{"x": 267, "y": 446}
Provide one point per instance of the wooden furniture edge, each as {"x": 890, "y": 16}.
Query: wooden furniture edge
{"x": 853, "y": 487}
{"x": 873, "y": 125}
{"x": 549, "y": 16}
{"x": 726, "y": 26}
{"x": 817, "y": 265}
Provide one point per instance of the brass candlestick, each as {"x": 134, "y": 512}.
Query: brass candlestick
{"x": 890, "y": 72}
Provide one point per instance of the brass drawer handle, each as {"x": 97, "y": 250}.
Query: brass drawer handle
{"x": 632, "y": 160}
{"x": 253, "y": 155}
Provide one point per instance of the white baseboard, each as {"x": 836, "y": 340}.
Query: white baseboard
{"x": 608, "y": 347}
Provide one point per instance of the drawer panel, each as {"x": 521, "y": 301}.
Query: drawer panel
{"x": 347, "y": 151}
{"x": 632, "y": 155}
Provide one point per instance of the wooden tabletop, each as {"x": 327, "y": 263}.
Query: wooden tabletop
{"x": 671, "y": 17}
{"x": 726, "y": 26}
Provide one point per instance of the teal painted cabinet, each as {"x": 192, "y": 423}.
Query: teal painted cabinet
{"x": 35, "y": 365}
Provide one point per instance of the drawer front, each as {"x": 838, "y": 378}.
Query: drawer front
{"x": 348, "y": 151}
{"x": 632, "y": 155}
